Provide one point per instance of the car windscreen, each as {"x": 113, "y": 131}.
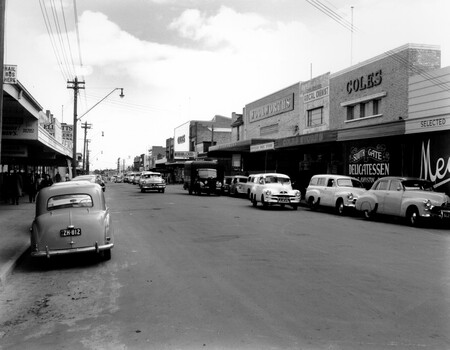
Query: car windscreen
{"x": 350, "y": 183}
{"x": 242, "y": 180}
{"x": 276, "y": 179}
{"x": 411, "y": 185}
{"x": 207, "y": 173}
{"x": 69, "y": 201}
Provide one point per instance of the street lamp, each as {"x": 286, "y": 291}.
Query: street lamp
{"x": 75, "y": 119}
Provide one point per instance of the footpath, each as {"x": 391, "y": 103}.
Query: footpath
{"x": 15, "y": 223}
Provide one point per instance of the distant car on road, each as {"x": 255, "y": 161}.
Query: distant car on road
{"x": 71, "y": 217}
{"x": 274, "y": 189}
{"x": 237, "y": 186}
{"x": 136, "y": 178}
{"x": 151, "y": 180}
{"x": 411, "y": 198}
{"x": 91, "y": 178}
{"x": 336, "y": 191}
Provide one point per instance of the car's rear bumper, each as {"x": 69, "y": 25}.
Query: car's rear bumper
{"x": 52, "y": 252}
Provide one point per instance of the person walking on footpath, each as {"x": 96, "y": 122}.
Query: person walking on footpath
{"x": 17, "y": 187}
{"x": 58, "y": 177}
{"x": 32, "y": 186}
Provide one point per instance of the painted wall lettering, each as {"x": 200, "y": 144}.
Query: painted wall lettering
{"x": 439, "y": 172}
{"x": 282, "y": 105}
{"x": 369, "y": 163}
{"x": 365, "y": 82}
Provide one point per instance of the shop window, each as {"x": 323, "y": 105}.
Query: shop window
{"x": 350, "y": 112}
{"x": 376, "y": 106}
{"x": 315, "y": 117}
{"x": 362, "y": 110}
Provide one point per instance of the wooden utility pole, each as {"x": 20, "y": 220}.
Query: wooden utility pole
{"x": 86, "y": 126}
{"x": 75, "y": 85}
{"x": 2, "y": 62}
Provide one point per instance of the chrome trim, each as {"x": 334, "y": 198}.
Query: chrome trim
{"x": 50, "y": 253}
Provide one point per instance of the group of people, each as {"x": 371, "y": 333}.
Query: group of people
{"x": 14, "y": 184}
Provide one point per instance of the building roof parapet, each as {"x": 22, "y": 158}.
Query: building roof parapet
{"x": 395, "y": 51}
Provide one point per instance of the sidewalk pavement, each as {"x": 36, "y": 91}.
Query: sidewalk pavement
{"x": 15, "y": 223}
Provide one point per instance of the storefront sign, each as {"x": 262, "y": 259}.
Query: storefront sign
{"x": 369, "y": 163}
{"x": 427, "y": 124}
{"x": 9, "y": 74}
{"x": 184, "y": 155}
{"x": 282, "y": 105}
{"x": 19, "y": 128}
{"x": 364, "y": 82}
{"x": 262, "y": 147}
{"x": 316, "y": 94}
{"x": 14, "y": 150}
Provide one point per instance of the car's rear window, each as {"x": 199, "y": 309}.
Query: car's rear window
{"x": 350, "y": 183}
{"x": 151, "y": 176}
{"x": 69, "y": 201}
{"x": 242, "y": 180}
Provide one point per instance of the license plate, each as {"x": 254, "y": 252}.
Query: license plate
{"x": 283, "y": 200}
{"x": 70, "y": 232}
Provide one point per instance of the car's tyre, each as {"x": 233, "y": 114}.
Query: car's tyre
{"x": 412, "y": 216}
{"x": 295, "y": 206}
{"x": 142, "y": 190}
{"x": 163, "y": 190}
{"x": 264, "y": 203}
{"x": 368, "y": 215}
{"x": 340, "y": 207}
{"x": 311, "y": 204}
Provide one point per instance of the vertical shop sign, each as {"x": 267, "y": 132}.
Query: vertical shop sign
{"x": 369, "y": 163}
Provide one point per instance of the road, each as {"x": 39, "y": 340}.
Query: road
{"x": 208, "y": 272}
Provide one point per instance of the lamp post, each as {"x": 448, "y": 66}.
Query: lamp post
{"x": 76, "y": 85}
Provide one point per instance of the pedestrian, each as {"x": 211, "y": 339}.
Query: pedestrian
{"x": 58, "y": 177}
{"x": 32, "y": 186}
{"x": 46, "y": 182}
{"x": 17, "y": 187}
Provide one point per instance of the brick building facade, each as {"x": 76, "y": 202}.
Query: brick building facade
{"x": 357, "y": 122}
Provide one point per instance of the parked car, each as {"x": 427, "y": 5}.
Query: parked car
{"x": 91, "y": 178}
{"x": 127, "y": 177}
{"x": 203, "y": 176}
{"x": 274, "y": 189}
{"x": 227, "y": 180}
{"x": 151, "y": 180}
{"x": 136, "y": 178}
{"x": 247, "y": 186}
{"x": 237, "y": 185}
{"x": 411, "y": 198}
{"x": 336, "y": 191}
{"x": 71, "y": 217}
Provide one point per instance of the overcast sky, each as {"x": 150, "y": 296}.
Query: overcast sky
{"x": 180, "y": 60}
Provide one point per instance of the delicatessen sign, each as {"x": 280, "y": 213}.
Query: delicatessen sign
{"x": 368, "y": 163}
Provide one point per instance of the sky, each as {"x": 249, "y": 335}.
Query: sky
{"x": 182, "y": 60}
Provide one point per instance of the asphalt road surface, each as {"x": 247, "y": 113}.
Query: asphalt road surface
{"x": 190, "y": 272}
